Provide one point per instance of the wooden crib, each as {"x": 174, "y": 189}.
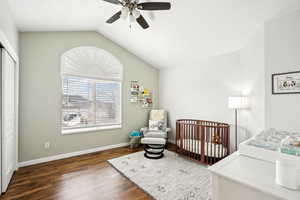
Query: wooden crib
{"x": 204, "y": 141}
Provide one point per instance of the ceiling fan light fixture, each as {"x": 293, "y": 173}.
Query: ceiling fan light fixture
{"x": 124, "y": 12}
{"x": 130, "y": 9}
{"x": 136, "y": 13}
{"x": 131, "y": 19}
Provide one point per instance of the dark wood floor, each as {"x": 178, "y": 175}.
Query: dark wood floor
{"x": 86, "y": 177}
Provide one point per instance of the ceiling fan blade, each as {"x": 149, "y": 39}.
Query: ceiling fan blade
{"x": 113, "y": 1}
{"x": 114, "y": 18}
{"x": 142, "y": 22}
{"x": 154, "y": 6}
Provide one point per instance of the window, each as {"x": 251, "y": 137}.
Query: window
{"x": 91, "y": 90}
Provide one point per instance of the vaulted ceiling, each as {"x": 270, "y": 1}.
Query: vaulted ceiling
{"x": 192, "y": 30}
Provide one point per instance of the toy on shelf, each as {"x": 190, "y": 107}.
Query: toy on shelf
{"x": 134, "y": 87}
{"x": 147, "y": 99}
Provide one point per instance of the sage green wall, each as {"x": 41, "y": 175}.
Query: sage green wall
{"x": 40, "y": 94}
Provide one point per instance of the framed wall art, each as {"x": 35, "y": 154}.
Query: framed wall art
{"x": 286, "y": 83}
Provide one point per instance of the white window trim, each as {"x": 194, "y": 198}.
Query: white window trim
{"x": 90, "y": 129}
{"x": 107, "y": 60}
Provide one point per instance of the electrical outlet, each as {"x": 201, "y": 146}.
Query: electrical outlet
{"x": 47, "y": 145}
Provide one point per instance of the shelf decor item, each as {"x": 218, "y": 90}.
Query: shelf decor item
{"x": 286, "y": 83}
{"x": 147, "y": 99}
{"x": 139, "y": 94}
{"x": 134, "y": 91}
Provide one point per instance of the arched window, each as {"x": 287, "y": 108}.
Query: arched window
{"x": 91, "y": 79}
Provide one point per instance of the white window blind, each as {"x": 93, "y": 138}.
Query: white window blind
{"x": 90, "y": 101}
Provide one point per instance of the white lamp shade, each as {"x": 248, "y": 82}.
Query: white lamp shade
{"x": 124, "y": 13}
{"x": 237, "y": 102}
{"x": 136, "y": 13}
{"x": 131, "y": 19}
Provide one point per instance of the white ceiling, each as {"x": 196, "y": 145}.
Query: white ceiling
{"x": 192, "y": 30}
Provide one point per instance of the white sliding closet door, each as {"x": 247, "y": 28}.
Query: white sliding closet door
{"x": 9, "y": 137}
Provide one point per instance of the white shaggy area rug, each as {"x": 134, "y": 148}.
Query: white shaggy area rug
{"x": 169, "y": 178}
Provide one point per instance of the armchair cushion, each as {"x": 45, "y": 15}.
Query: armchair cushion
{"x": 160, "y": 141}
{"x": 155, "y": 134}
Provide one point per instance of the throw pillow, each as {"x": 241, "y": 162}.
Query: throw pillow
{"x": 156, "y": 125}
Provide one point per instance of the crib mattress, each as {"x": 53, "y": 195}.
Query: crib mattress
{"x": 210, "y": 149}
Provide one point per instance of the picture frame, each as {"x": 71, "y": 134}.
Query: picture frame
{"x": 286, "y": 83}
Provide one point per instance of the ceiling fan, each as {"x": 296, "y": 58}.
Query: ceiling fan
{"x": 131, "y": 9}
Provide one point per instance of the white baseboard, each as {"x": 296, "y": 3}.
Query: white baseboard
{"x": 68, "y": 155}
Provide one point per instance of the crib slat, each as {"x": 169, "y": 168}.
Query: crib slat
{"x": 220, "y": 141}
{"x": 195, "y": 140}
{"x": 177, "y": 136}
{"x": 225, "y": 148}
{"x": 217, "y": 146}
{"x": 211, "y": 145}
{"x": 207, "y": 134}
{"x": 228, "y": 140}
{"x": 224, "y": 144}
{"x": 182, "y": 136}
{"x": 191, "y": 136}
{"x": 202, "y": 135}
{"x": 189, "y": 139}
{"x": 185, "y": 137}
{"x": 198, "y": 141}
{"x": 192, "y": 141}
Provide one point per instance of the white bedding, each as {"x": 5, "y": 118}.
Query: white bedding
{"x": 264, "y": 146}
{"x": 210, "y": 149}
{"x": 270, "y": 139}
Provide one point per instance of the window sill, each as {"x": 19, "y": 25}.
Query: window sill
{"x": 92, "y": 129}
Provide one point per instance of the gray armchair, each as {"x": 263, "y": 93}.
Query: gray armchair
{"x": 157, "y": 125}
{"x": 156, "y": 135}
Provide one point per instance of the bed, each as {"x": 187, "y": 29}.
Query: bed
{"x": 204, "y": 141}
